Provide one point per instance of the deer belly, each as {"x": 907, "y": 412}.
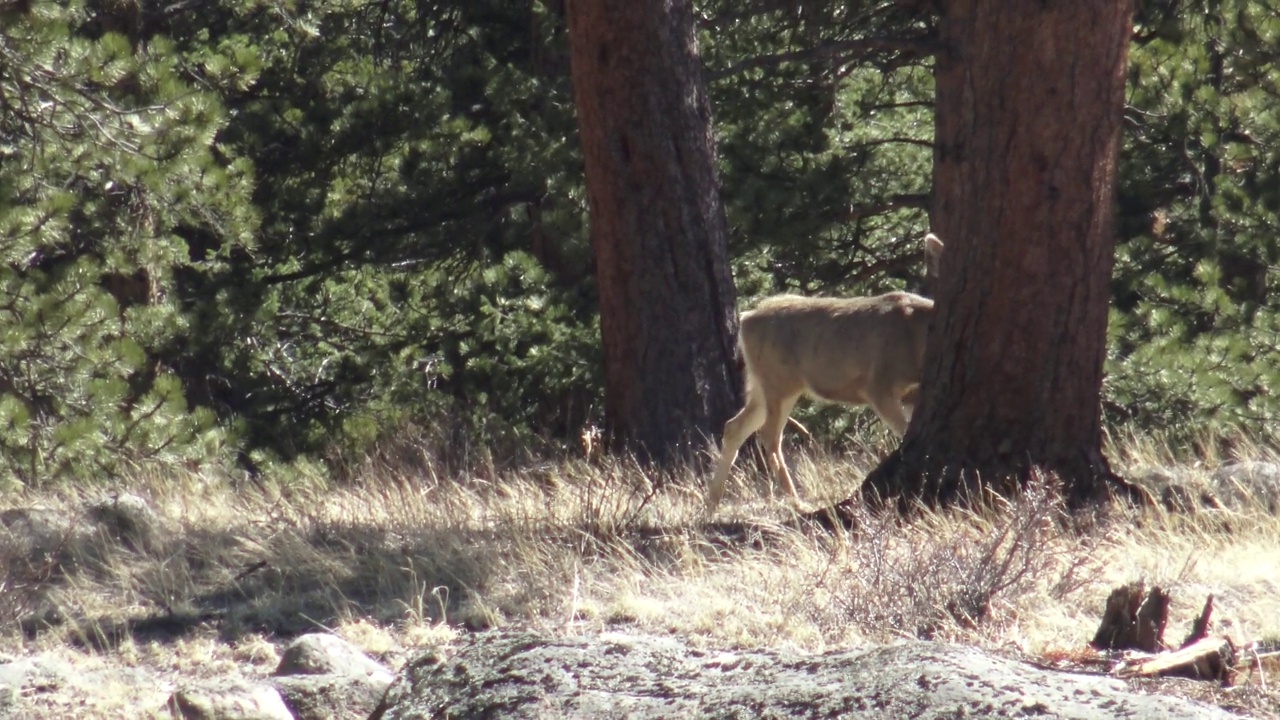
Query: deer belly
{"x": 853, "y": 391}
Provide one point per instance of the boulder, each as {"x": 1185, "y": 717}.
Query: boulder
{"x": 126, "y": 518}
{"x": 1178, "y": 489}
{"x": 524, "y": 675}
{"x": 325, "y": 654}
{"x": 39, "y": 537}
{"x": 228, "y": 701}
{"x": 323, "y": 677}
{"x": 330, "y": 697}
{"x": 1249, "y": 483}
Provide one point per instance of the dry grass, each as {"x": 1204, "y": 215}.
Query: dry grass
{"x": 403, "y": 558}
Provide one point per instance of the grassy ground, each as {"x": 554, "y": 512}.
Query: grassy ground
{"x": 403, "y": 558}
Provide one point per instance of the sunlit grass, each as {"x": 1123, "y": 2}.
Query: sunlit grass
{"x": 402, "y": 558}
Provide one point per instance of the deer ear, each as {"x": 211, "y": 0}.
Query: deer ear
{"x": 932, "y": 247}
{"x": 932, "y": 255}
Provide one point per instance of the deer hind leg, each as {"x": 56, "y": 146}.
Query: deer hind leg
{"x": 736, "y": 431}
{"x": 775, "y": 422}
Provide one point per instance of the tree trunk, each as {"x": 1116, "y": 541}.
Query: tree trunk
{"x": 667, "y": 318}
{"x": 1029, "y": 102}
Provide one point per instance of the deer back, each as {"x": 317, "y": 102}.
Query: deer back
{"x": 835, "y": 346}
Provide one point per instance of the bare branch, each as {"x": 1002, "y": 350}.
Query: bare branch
{"x": 897, "y": 264}
{"x": 889, "y": 204}
{"x": 842, "y": 51}
{"x": 892, "y": 140}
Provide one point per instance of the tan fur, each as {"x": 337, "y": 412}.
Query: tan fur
{"x": 865, "y": 350}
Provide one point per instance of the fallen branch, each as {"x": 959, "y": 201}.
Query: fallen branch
{"x": 1210, "y": 658}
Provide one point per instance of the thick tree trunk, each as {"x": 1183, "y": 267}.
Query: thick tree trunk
{"x": 1029, "y": 101}
{"x": 667, "y": 317}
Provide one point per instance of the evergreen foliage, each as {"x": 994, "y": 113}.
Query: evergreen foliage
{"x": 107, "y": 161}
{"x": 411, "y": 159}
{"x": 1194, "y": 333}
{"x": 824, "y": 123}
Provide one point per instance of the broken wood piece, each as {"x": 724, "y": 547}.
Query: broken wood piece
{"x": 1200, "y": 627}
{"x": 1210, "y": 658}
{"x": 1153, "y": 616}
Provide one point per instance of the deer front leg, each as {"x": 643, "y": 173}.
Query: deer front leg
{"x": 891, "y": 410}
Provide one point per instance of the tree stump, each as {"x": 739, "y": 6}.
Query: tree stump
{"x": 1132, "y": 623}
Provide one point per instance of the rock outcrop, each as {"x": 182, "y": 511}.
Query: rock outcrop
{"x": 522, "y": 675}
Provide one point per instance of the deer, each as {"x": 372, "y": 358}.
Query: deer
{"x": 858, "y": 351}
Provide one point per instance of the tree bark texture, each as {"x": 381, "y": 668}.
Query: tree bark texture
{"x": 667, "y": 318}
{"x": 1029, "y": 102}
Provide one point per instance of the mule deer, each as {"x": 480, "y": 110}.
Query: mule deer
{"x": 864, "y": 350}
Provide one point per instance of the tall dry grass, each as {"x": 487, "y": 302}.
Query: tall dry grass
{"x": 403, "y": 556}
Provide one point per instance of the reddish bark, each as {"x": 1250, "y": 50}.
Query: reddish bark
{"x": 667, "y": 317}
{"x": 1029, "y": 102}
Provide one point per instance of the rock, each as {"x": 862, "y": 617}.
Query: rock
{"x": 128, "y": 519}
{"x": 31, "y": 676}
{"x": 330, "y": 697}
{"x": 12, "y": 678}
{"x": 39, "y": 536}
{"x": 1157, "y": 477}
{"x": 325, "y": 654}
{"x": 1178, "y": 489}
{"x": 41, "y": 526}
{"x": 323, "y": 677}
{"x": 523, "y": 675}
{"x": 1249, "y": 483}
{"x": 228, "y": 701}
